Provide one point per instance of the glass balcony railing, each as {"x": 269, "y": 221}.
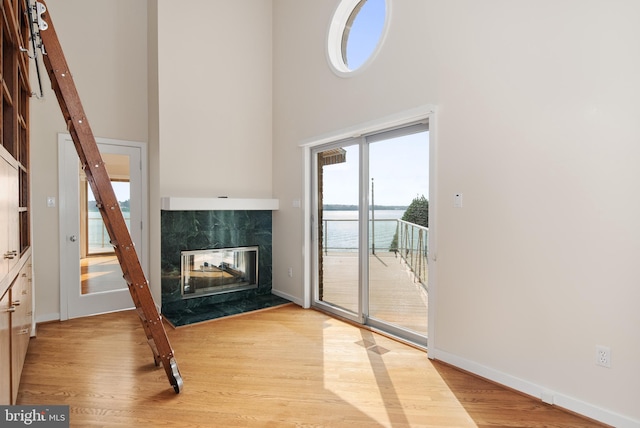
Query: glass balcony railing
{"x": 407, "y": 240}
{"x": 412, "y": 246}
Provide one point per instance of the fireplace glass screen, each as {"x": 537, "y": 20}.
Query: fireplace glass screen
{"x": 220, "y": 270}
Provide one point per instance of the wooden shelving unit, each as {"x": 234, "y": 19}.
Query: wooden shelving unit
{"x": 16, "y": 316}
{"x": 16, "y": 91}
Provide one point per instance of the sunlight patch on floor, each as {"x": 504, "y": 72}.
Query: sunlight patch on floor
{"x": 355, "y": 361}
{"x": 345, "y": 374}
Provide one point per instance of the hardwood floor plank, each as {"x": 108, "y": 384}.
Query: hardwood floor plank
{"x": 285, "y": 367}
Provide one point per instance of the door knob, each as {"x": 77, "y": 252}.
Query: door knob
{"x": 73, "y": 238}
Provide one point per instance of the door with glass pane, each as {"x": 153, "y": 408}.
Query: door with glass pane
{"x": 99, "y": 266}
{"x": 91, "y": 277}
{"x": 372, "y": 207}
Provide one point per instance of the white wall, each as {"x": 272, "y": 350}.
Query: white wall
{"x": 110, "y": 71}
{"x": 214, "y": 72}
{"x": 154, "y": 151}
{"x": 537, "y": 127}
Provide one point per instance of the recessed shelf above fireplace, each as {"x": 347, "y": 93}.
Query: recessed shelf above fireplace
{"x": 217, "y": 204}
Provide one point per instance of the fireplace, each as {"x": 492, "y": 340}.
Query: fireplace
{"x": 219, "y": 270}
{"x": 203, "y": 236}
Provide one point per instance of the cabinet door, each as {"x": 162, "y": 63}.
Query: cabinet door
{"x": 9, "y": 217}
{"x": 4, "y": 218}
{"x": 5, "y": 351}
{"x": 13, "y": 216}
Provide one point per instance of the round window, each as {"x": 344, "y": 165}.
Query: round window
{"x": 356, "y": 34}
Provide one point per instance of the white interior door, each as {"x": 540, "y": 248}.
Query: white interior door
{"x": 90, "y": 276}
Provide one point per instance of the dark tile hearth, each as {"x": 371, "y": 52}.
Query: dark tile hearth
{"x": 179, "y": 316}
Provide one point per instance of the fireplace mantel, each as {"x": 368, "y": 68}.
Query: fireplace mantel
{"x": 218, "y": 204}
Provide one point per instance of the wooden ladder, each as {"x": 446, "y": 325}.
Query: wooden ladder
{"x": 98, "y": 178}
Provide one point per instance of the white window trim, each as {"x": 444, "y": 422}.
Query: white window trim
{"x": 334, "y": 38}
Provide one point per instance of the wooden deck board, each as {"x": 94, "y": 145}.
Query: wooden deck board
{"x": 394, "y": 296}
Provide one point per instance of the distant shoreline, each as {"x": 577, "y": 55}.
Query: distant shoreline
{"x": 339, "y": 207}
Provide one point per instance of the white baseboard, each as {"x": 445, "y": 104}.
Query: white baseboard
{"x": 294, "y": 299}
{"x": 48, "y": 317}
{"x": 537, "y": 391}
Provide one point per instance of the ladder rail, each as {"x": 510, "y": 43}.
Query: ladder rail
{"x": 95, "y": 169}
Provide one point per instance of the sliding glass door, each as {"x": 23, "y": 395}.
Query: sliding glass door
{"x": 398, "y": 222}
{"x": 372, "y": 202}
{"x": 338, "y": 244}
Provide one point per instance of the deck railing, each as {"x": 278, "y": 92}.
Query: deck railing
{"x": 99, "y": 241}
{"x": 413, "y": 248}
{"x": 407, "y": 240}
{"x": 342, "y": 234}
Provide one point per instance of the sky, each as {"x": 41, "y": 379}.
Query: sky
{"x": 365, "y": 32}
{"x": 399, "y": 168}
{"x": 121, "y": 189}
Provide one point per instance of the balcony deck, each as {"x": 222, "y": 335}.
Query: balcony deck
{"x": 395, "y": 296}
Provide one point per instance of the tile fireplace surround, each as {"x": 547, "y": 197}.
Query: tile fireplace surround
{"x": 211, "y": 223}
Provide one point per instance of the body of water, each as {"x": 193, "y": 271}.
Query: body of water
{"x": 98, "y": 235}
{"x": 341, "y": 229}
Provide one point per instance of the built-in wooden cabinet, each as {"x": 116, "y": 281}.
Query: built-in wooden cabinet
{"x": 16, "y": 321}
{"x": 14, "y": 109}
{"x": 16, "y": 293}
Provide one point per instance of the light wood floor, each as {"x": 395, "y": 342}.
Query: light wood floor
{"x": 284, "y": 367}
{"x": 100, "y": 273}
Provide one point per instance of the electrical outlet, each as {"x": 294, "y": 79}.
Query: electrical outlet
{"x": 603, "y": 356}
{"x": 290, "y": 272}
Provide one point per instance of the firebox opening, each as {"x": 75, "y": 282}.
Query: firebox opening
{"x": 219, "y": 270}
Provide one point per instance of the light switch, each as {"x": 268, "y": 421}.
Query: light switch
{"x": 457, "y": 200}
